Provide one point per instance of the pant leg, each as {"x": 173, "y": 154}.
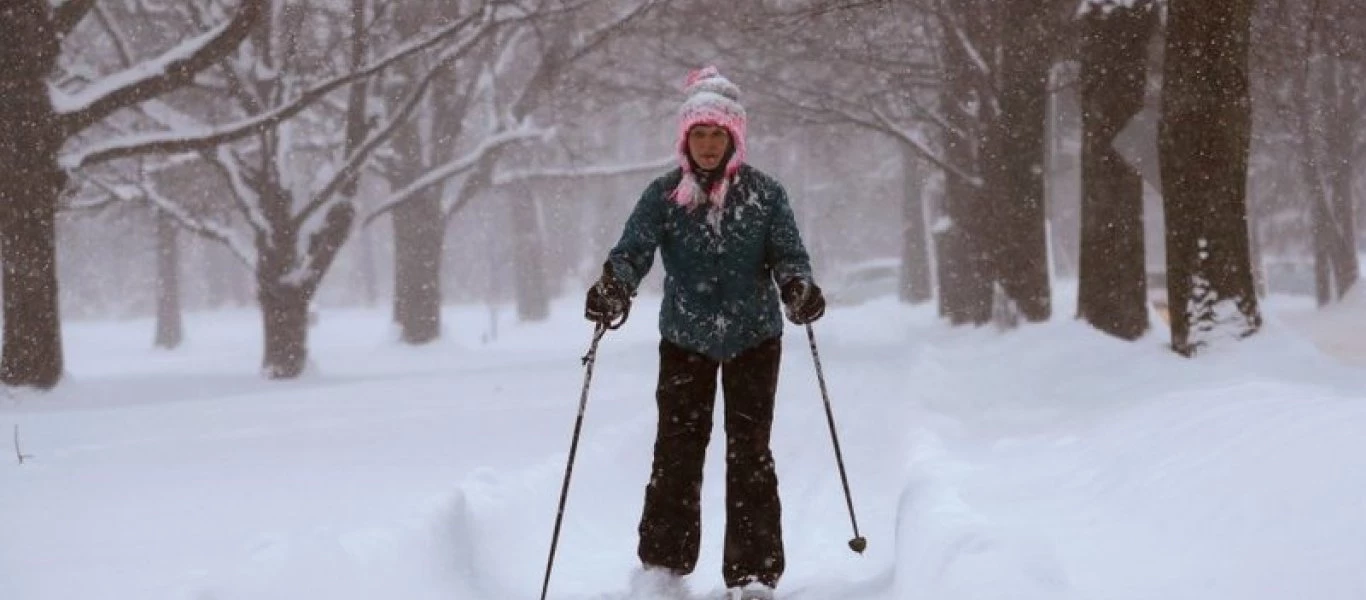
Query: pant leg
{"x": 754, "y": 537}
{"x": 671, "y": 523}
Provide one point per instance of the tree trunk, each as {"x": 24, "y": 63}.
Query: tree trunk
{"x": 420, "y": 227}
{"x": 284, "y": 311}
{"x": 1112, "y": 287}
{"x": 916, "y": 287}
{"x": 169, "y": 328}
{"x": 962, "y": 243}
{"x": 419, "y": 232}
{"x": 1312, "y": 134}
{"x": 29, "y": 142}
{"x": 368, "y": 272}
{"x": 532, "y": 293}
{"x": 1017, "y": 184}
{"x": 1254, "y": 242}
{"x": 1339, "y": 93}
{"x": 1204, "y": 136}
{"x": 282, "y": 297}
{"x": 33, "y": 340}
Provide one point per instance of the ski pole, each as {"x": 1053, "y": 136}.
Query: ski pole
{"x": 588, "y": 360}
{"x": 859, "y": 542}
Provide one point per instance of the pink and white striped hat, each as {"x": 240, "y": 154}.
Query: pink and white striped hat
{"x": 711, "y": 100}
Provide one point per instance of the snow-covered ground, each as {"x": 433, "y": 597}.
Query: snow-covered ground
{"x": 1047, "y": 463}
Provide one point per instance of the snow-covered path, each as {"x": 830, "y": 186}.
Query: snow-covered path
{"x": 1047, "y": 463}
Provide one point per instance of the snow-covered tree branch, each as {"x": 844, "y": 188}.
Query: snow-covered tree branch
{"x": 378, "y": 137}
{"x": 458, "y": 166}
{"x": 516, "y": 176}
{"x": 195, "y": 140}
{"x": 67, "y": 15}
{"x": 152, "y": 78}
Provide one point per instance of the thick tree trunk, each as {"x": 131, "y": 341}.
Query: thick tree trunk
{"x": 420, "y": 227}
{"x": 169, "y": 327}
{"x": 283, "y": 298}
{"x": 1204, "y": 136}
{"x": 962, "y": 239}
{"x": 916, "y": 287}
{"x": 284, "y": 312}
{"x": 419, "y": 233}
{"x": 532, "y": 293}
{"x": 29, "y": 142}
{"x": 33, "y": 340}
{"x": 1016, "y": 183}
{"x": 1112, "y": 294}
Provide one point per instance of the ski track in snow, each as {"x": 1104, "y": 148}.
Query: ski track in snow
{"x": 1050, "y": 464}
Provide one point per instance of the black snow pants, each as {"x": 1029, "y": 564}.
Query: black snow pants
{"x": 670, "y": 526}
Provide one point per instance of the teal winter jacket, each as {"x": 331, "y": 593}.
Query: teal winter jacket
{"x": 720, "y": 279}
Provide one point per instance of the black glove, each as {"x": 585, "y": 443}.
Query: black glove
{"x": 608, "y": 301}
{"x": 804, "y": 300}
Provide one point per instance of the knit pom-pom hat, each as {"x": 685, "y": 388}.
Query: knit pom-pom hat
{"x": 711, "y": 99}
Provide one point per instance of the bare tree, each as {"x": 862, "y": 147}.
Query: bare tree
{"x": 1330, "y": 109}
{"x": 35, "y": 127}
{"x": 298, "y": 224}
{"x": 519, "y": 77}
{"x": 1204, "y": 138}
{"x": 1309, "y": 106}
{"x": 297, "y": 236}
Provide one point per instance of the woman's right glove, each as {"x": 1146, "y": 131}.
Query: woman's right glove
{"x": 804, "y": 300}
{"x": 608, "y": 301}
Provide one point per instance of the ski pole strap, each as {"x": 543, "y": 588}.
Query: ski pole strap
{"x": 621, "y": 320}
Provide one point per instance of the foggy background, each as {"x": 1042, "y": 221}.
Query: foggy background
{"x": 818, "y": 78}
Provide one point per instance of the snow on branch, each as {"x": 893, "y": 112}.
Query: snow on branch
{"x": 242, "y": 249}
{"x": 112, "y": 197}
{"x": 1105, "y": 7}
{"x": 157, "y": 76}
{"x": 230, "y": 167}
{"x": 218, "y": 232}
{"x": 822, "y": 102}
{"x": 913, "y": 139}
{"x": 608, "y": 170}
{"x": 559, "y": 56}
{"x": 189, "y": 141}
{"x": 67, "y": 15}
{"x": 117, "y": 37}
{"x": 960, "y": 34}
{"x": 458, "y": 166}
{"x": 362, "y": 153}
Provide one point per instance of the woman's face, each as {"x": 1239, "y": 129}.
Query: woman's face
{"x": 707, "y": 145}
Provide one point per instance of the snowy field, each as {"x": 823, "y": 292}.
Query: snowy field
{"x": 1050, "y": 463}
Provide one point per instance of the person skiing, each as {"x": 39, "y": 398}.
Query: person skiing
{"x": 731, "y": 251}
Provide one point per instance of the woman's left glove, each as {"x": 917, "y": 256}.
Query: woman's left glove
{"x": 804, "y": 301}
